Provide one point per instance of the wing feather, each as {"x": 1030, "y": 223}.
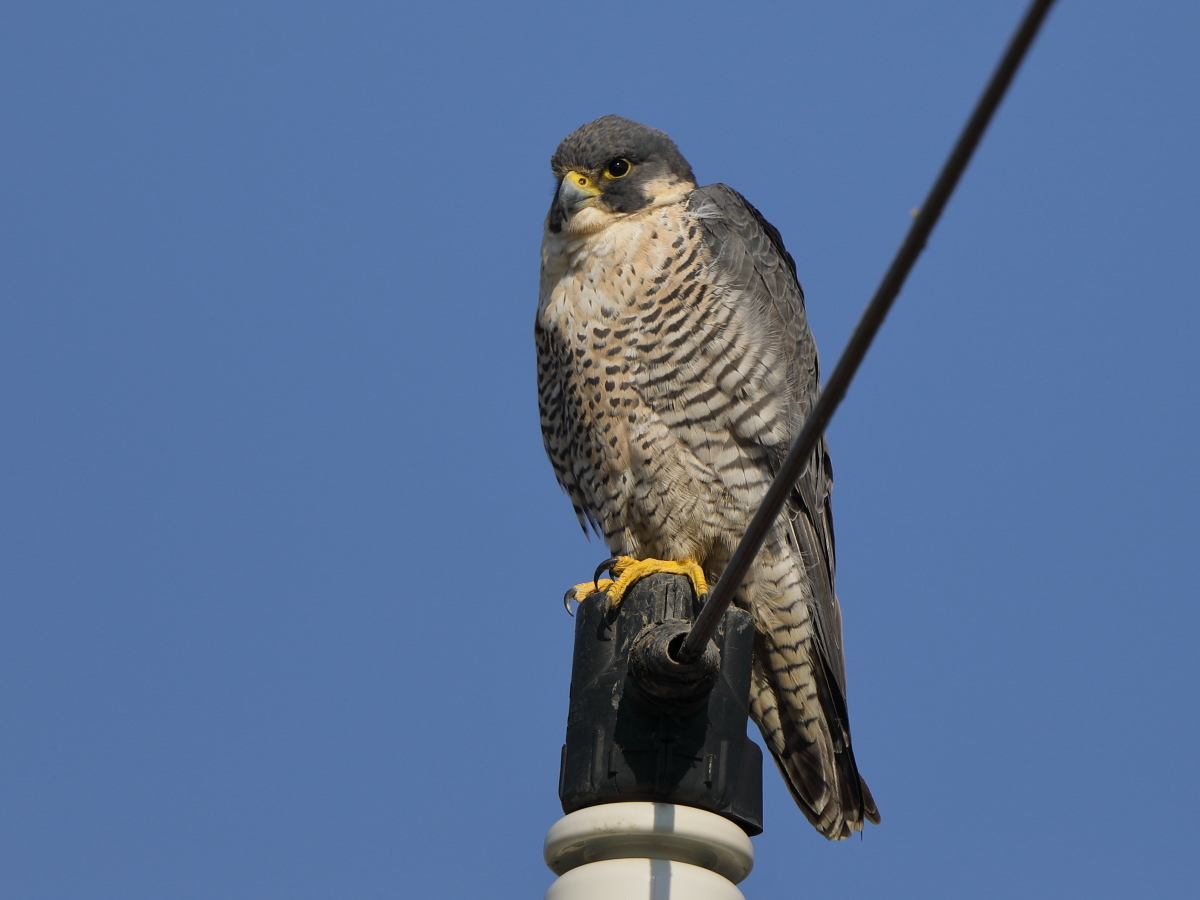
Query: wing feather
{"x": 748, "y": 253}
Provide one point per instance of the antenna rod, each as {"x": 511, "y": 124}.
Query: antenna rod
{"x": 864, "y": 333}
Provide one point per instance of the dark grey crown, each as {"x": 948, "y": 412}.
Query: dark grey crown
{"x": 590, "y": 147}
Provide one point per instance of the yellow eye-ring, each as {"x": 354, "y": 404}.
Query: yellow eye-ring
{"x": 618, "y": 168}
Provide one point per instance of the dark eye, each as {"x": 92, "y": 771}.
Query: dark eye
{"x": 618, "y": 168}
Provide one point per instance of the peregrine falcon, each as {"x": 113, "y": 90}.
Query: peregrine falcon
{"x": 675, "y": 369}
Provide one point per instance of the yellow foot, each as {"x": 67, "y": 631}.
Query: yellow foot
{"x": 628, "y": 570}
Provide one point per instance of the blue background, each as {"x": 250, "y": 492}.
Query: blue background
{"x": 281, "y": 555}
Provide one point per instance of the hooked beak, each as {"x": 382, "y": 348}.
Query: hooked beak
{"x": 576, "y": 192}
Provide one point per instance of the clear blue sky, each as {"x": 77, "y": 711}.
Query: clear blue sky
{"x": 281, "y": 558}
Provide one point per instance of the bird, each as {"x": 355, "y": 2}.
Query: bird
{"x": 675, "y": 367}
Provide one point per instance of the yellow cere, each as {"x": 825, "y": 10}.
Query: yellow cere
{"x": 583, "y": 181}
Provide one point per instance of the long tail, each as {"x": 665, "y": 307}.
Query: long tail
{"x": 799, "y": 707}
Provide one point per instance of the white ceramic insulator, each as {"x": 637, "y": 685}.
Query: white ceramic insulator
{"x": 642, "y": 879}
{"x": 656, "y": 851}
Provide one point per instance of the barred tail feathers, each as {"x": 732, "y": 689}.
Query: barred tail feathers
{"x": 800, "y": 710}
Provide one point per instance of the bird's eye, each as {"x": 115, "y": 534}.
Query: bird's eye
{"x": 618, "y": 168}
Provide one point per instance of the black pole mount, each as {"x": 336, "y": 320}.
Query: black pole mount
{"x": 644, "y": 726}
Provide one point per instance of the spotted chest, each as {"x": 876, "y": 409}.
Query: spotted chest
{"x": 622, "y": 325}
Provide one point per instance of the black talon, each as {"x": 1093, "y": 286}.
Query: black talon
{"x": 567, "y": 598}
{"x": 605, "y": 566}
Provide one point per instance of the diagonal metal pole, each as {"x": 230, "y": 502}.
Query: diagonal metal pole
{"x": 864, "y": 333}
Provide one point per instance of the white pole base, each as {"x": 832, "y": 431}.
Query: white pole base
{"x": 647, "y": 851}
{"x": 642, "y": 879}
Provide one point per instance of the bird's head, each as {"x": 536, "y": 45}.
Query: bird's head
{"x": 612, "y": 168}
